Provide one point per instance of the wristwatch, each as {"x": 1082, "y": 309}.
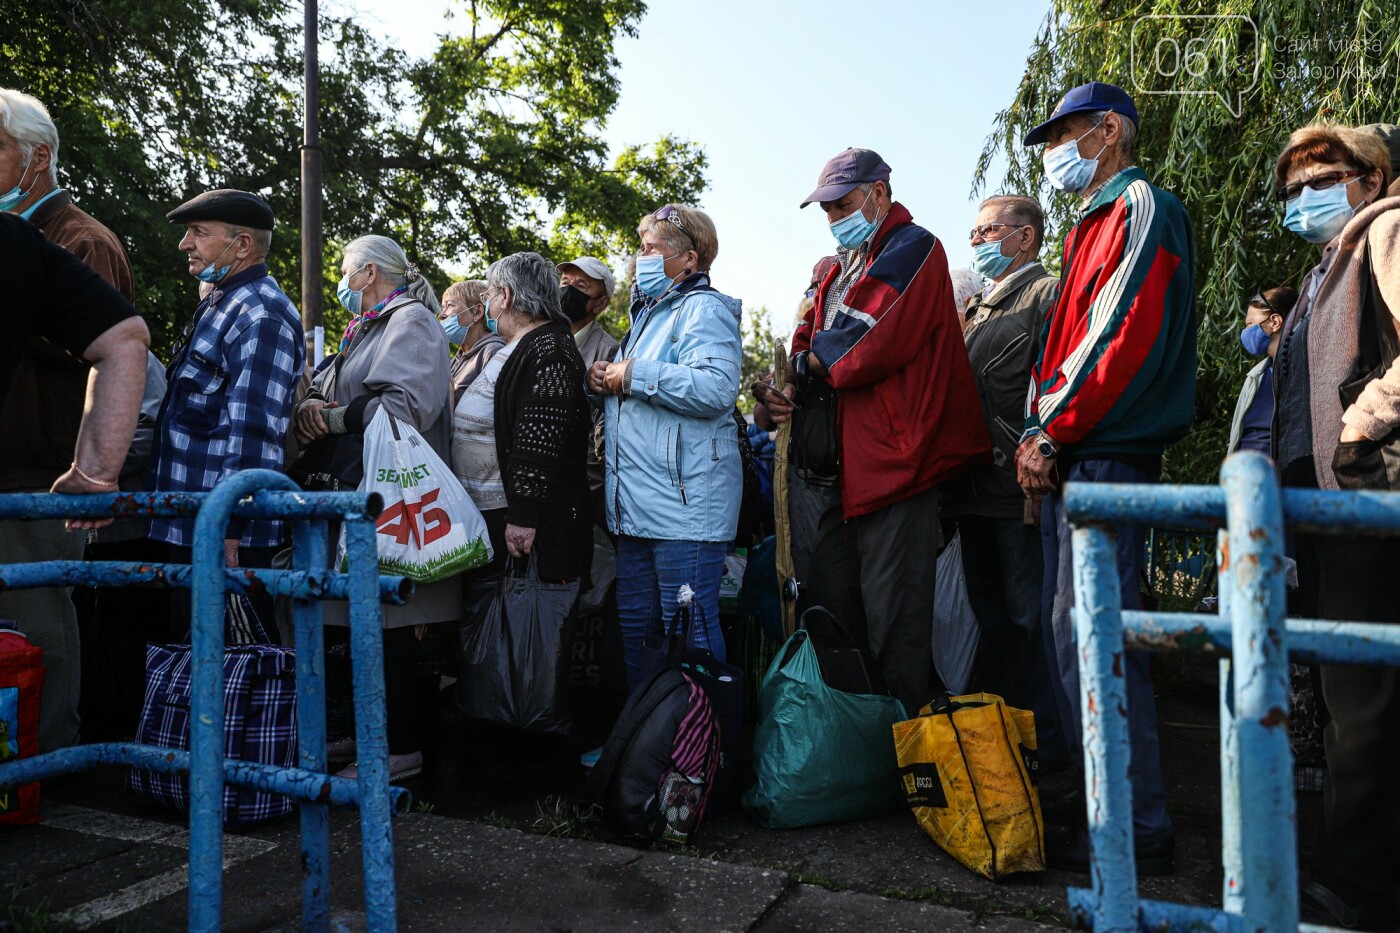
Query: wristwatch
{"x": 1047, "y": 448}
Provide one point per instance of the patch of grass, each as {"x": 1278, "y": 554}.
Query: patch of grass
{"x": 17, "y": 918}
{"x": 500, "y": 822}
{"x": 690, "y": 851}
{"x": 821, "y": 881}
{"x": 423, "y": 806}
{"x": 561, "y": 818}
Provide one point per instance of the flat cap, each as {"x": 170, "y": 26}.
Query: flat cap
{"x": 229, "y": 205}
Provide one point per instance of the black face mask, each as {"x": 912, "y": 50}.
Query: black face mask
{"x": 574, "y": 302}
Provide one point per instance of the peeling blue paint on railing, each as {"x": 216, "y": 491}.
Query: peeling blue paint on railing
{"x": 252, "y": 494}
{"x": 1259, "y": 833}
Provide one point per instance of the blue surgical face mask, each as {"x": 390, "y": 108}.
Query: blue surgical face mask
{"x": 15, "y": 196}
{"x": 853, "y": 229}
{"x": 1255, "y": 340}
{"x": 209, "y": 273}
{"x": 988, "y": 260}
{"x": 1067, "y": 169}
{"x": 1318, "y": 216}
{"x": 651, "y": 275}
{"x": 454, "y": 330}
{"x": 350, "y": 299}
{"x": 491, "y": 323}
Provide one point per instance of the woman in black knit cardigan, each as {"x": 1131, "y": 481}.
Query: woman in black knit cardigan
{"x": 542, "y": 420}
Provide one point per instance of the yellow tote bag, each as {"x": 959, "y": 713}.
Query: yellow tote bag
{"x": 965, "y": 765}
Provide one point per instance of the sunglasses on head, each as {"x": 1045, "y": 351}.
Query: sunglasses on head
{"x": 668, "y": 214}
{"x": 1263, "y": 302}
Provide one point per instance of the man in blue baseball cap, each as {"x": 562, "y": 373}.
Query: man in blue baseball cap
{"x": 1109, "y": 391}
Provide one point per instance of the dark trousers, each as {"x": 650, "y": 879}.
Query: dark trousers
{"x": 1361, "y": 810}
{"x": 409, "y": 700}
{"x": 1003, "y": 569}
{"x": 1150, "y": 821}
{"x": 116, "y": 624}
{"x": 181, "y": 611}
{"x": 876, "y": 574}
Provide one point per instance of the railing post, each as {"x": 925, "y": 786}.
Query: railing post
{"x": 207, "y": 693}
{"x": 1267, "y": 820}
{"x": 371, "y": 733}
{"x": 309, "y": 541}
{"x": 1103, "y": 692}
{"x": 1232, "y": 883}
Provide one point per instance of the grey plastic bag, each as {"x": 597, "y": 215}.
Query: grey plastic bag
{"x": 956, "y": 634}
{"x": 515, "y": 652}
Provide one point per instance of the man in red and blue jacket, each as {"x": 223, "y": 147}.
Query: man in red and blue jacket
{"x": 1115, "y": 383}
{"x": 887, "y": 410}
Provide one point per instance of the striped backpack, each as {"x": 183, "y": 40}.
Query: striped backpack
{"x": 660, "y": 763}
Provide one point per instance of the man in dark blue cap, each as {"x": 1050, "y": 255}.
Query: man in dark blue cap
{"x": 1114, "y": 384}
{"x": 882, "y": 344}
{"x": 234, "y": 372}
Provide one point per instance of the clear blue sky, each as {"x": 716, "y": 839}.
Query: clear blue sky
{"x": 773, "y": 88}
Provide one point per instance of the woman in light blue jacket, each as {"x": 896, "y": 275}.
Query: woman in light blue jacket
{"x": 674, "y": 478}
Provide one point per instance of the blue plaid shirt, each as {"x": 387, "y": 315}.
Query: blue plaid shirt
{"x": 229, "y": 403}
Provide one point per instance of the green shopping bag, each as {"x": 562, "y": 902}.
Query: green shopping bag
{"x": 821, "y": 755}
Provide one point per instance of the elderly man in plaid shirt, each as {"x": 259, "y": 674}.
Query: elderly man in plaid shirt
{"x": 233, "y": 376}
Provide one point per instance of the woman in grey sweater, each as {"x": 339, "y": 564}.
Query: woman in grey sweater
{"x": 394, "y": 355}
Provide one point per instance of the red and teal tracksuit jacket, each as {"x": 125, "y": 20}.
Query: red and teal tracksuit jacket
{"x": 1117, "y": 370}
{"x": 908, "y": 414}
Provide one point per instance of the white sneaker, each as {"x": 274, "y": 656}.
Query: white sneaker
{"x": 401, "y": 768}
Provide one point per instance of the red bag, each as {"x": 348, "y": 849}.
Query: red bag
{"x": 21, "y": 684}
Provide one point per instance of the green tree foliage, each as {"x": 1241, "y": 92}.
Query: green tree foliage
{"x": 759, "y": 337}
{"x": 1251, "y": 72}
{"x": 492, "y": 145}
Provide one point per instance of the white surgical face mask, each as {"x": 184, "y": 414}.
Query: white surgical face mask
{"x": 1067, "y": 169}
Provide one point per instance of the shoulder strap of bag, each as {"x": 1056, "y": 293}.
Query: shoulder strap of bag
{"x": 1378, "y": 345}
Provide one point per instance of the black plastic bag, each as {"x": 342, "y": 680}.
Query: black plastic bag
{"x": 515, "y": 652}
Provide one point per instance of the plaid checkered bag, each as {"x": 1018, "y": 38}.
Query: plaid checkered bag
{"x": 260, "y": 710}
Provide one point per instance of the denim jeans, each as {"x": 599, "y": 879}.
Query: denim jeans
{"x": 649, "y": 572}
{"x": 1150, "y": 821}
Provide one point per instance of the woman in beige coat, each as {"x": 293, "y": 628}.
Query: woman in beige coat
{"x": 395, "y": 355}
{"x": 1335, "y": 427}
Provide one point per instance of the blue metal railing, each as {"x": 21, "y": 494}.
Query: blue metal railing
{"x": 252, "y": 494}
{"x": 1259, "y": 844}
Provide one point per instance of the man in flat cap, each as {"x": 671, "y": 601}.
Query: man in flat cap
{"x": 233, "y": 374}
{"x": 882, "y": 344}
{"x": 1115, "y": 382}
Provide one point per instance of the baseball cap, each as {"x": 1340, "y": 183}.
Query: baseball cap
{"x": 1091, "y": 97}
{"x": 593, "y": 268}
{"x": 845, "y": 171}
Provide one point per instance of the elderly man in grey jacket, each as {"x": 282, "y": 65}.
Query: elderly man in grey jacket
{"x": 1001, "y": 549}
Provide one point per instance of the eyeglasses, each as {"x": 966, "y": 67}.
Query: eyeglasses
{"x": 985, "y": 229}
{"x": 668, "y": 214}
{"x": 1317, "y": 183}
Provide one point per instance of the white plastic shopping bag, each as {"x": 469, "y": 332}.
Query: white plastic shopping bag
{"x": 429, "y": 529}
